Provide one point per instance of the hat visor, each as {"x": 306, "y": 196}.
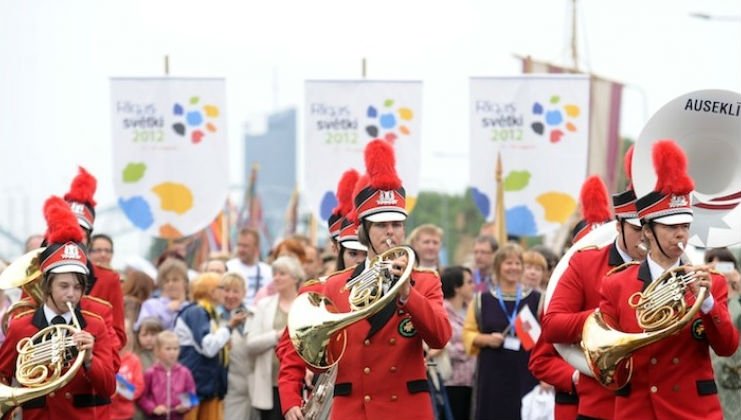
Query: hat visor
{"x": 634, "y": 221}
{"x": 357, "y": 246}
{"x": 674, "y": 219}
{"x": 69, "y": 268}
{"x": 386, "y": 216}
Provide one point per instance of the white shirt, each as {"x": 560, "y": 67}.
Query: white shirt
{"x": 50, "y": 314}
{"x": 256, "y": 276}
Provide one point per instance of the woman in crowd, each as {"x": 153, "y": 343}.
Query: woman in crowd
{"x": 270, "y": 320}
{"x": 728, "y": 369}
{"x": 502, "y": 366}
{"x": 172, "y": 281}
{"x": 458, "y": 292}
{"x": 237, "y": 404}
{"x": 203, "y": 345}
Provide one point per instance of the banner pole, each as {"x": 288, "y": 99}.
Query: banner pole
{"x": 499, "y": 215}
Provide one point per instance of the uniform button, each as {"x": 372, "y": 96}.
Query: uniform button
{"x": 392, "y": 341}
{"x": 367, "y": 398}
{"x": 52, "y": 394}
{"x": 654, "y": 389}
{"x": 67, "y": 395}
{"x": 366, "y": 370}
{"x": 366, "y": 342}
{"x": 675, "y": 360}
{"x": 653, "y": 361}
{"x": 394, "y": 398}
{"x": 393, "y": 369}
{"x": 675, "y": 388}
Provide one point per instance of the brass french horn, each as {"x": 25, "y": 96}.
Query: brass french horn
{"x": 42, "y": 365}
{"x": 661, "y": 310}
{"x": 317, "y": 330}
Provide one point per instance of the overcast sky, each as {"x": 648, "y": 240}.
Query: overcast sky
{"x": 57, "y": 57}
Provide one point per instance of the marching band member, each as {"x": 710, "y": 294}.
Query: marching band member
{"x": 548, "y": 366}
{"x": 382, "y": 373}
{"x": 672, "y": 378}
{"x": 65, "y": 271}
{"x": 105, "y": 283}
{"x": 577, "y": 294}
{"x": 293, "y": 370}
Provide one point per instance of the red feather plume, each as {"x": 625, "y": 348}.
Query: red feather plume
{"x": 345, "y": 192}
{"x": 380, "y": 165}
{"x": 83, "y": 188}
{"x": 61, "y": 223}
{"x": 352, "y": 216}
{"x": 670, "y": 164}
{"x": 628, "y": 166}
{"x": 595, "y": 206}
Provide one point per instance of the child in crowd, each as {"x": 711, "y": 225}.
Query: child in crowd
{"x": 169, "y": 389}
{"x": 145, "y": 338}
{"x": 129, "y": 380}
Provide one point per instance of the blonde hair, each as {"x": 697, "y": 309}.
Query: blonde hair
{"x": 535, "y": 258}
{"x": 204, "y": 284}
{"x": 425, "y": 229}
{"x": 233, "y": 280}
{"x": 170, "y": 265}
{"x": 165, "y": 337}
{"x": 508, "y": 250}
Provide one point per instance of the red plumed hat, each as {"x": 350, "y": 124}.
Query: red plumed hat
{"x": 63, "y": 253}
{"x": 382, "y": 198}
{"x": 624, "y": 203}
{"x": 595, "y": 206}
{"x": 670, "y": 202}
{"x": 81, "y": 198}
{"x": 344, "y": 201}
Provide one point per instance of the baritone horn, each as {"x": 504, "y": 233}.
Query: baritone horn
{"x": 23, "y": 273}
{"x": 316, "y": 328}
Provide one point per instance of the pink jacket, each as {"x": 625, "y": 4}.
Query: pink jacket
{"x": 163, "y": 387}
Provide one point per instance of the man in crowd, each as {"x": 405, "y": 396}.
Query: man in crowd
{"x": 247, "y": 263}
{"x": 484, "y": 248}
{"x": 427, "y": 240}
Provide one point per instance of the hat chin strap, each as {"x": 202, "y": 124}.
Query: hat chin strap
{"x": 651, "y": 225}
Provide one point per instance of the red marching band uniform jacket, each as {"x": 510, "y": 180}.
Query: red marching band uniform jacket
{"x": 382, "y": 373}
{"x": 548, "y": 366}
{"x": 575, "y": 298}
{"x": 88, "y": 394}
{"x": 107, "y": 286}
{"x": 672, "y": 378}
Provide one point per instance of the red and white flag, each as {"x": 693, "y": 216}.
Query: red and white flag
{"x": 527, "y": 328}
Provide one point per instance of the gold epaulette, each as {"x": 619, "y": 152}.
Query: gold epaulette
{"x": 24, "y": 313}
{"x": 311, "y": 282}
{"x": 587, "y": 248}
{"x": 427, "y": 270}
{"x": 99, "y": 300}
{"x": 340, "y": 271}
{"x": 94, "y": 315}
{"x": 622, "y": 267}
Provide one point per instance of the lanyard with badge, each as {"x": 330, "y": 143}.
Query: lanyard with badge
{"x": 511, "y": 342}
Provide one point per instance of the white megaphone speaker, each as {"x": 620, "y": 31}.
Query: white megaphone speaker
{"x": 707, "y": 125}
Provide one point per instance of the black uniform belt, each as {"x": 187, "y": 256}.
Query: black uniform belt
{"x": 566, "y": 398}
{"x": 81, "y": 401}
{"x": 419, "y": 385}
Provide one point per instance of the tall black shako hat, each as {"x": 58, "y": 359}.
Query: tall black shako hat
{"x": 382, "y": 198}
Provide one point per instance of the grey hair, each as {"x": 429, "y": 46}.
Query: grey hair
{"x": 290, "y": 265}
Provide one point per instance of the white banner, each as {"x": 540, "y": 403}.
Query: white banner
{"x": 540, "y": 125}
{"x": 170, "y": 152}
{"x": 341, "y": 117}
